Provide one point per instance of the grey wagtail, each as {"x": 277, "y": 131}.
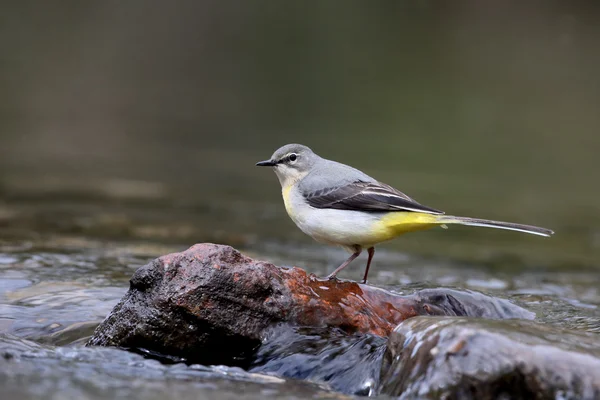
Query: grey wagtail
{"x": 340, "y": 205}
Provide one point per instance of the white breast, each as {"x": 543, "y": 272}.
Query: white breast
{"x": 336, "y": 227}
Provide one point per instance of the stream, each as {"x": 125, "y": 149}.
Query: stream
{"x": 56, "y": 288}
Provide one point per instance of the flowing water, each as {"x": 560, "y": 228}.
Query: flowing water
{"x": 130, "y": 130}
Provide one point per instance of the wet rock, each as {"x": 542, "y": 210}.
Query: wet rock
{"x": 347, "y": 363}
{"x": 31, "y": 371}
{"x": 212, "y": 305}
{"x": 458, "y": 358}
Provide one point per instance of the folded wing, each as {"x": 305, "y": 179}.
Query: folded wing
{"x": 365, "y": 196}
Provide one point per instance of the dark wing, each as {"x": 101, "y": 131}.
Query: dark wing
{"x": 365, "y": 196}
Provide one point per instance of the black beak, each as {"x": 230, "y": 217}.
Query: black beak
{"x": 266, "y": 163}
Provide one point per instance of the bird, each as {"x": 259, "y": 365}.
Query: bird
{"x": 339, "y": 205}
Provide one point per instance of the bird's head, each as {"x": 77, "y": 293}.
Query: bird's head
{"x": 291, "y": 163}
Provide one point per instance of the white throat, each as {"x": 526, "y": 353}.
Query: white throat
{"x": 288, "y": 176}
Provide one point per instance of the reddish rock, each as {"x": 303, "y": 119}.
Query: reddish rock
{"x": 211, "y": 304}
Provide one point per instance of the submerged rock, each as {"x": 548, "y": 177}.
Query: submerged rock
{"x": 347, "y": 363}
{"x": 459, "y": 358}
{"x": 30, "y": 371}
{"x": 212, "y": 305}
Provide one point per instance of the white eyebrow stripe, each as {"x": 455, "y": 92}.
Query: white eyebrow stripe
{"x": 288, "y": 154}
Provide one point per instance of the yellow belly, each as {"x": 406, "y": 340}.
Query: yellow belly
{"x": 396, "y": 223}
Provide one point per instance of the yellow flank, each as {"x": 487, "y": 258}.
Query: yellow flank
{"x": 399, "y": 222}
{"x": 285, "y": 192}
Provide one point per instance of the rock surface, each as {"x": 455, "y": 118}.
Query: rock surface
{"x": 346, "y": 363}
{"x": 212, "y": 305}
{"x": 458, "y": 358}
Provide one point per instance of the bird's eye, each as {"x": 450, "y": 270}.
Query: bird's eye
{"x": 293, "y": 157}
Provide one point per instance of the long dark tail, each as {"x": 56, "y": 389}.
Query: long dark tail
{"x": 534, "y": 230}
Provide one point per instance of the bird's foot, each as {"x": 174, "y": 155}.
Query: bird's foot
{"x": 332, "y": 277}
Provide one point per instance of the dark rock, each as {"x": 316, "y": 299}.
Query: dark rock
{"x": 459, "y": 358}
{"x": 347, "y": 363}
{"x": 210, "y": 304}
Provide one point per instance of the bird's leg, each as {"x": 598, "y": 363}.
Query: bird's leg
{"x": 371, "y": 251}
{"x": 356, "y": 253}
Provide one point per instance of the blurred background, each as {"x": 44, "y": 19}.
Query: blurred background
{"x": 143, "y": 119}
